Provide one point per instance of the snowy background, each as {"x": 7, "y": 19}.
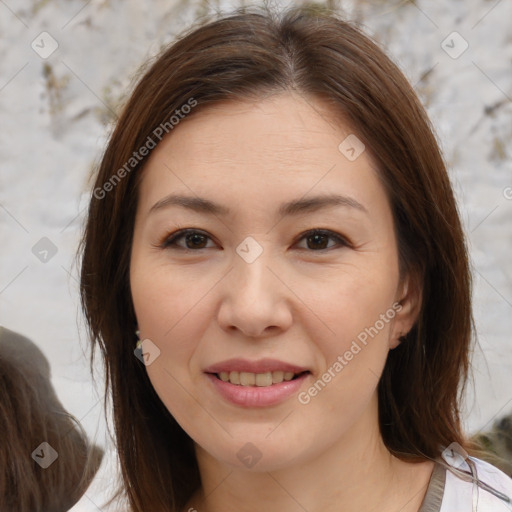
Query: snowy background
{"x": 56, "y": 112}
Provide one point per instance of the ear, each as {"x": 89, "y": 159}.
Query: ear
{"x": 408, "y": 302}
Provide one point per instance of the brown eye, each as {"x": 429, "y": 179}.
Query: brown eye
{"x": 193, "y": 240}
{"x": 317, "y": 240}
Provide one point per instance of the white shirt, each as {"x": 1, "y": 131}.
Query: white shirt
{"x": 450, "y": 490}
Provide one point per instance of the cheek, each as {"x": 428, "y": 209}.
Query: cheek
{"x": 164, "y": 299}
{"x": 357, "y": 315}
{"x": 355, "y": 300}
{"x": 173, "y": 311}
{"x": 164, "y": 315}
{"x": 168, "y": 311}
{"x": 352, "y": 359}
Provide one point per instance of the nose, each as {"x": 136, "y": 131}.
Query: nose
{"x": 255, "y": 299}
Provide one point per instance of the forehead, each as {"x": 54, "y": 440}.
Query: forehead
{"x": 286, "y": 142}
{"x": 286, "y": 125}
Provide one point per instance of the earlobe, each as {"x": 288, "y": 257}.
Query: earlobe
{"x": 397, "y": 340}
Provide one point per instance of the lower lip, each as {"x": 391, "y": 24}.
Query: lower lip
{"x": 257, "y": 396}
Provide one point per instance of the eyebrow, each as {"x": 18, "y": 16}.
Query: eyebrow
{"x": 295, "y": 207}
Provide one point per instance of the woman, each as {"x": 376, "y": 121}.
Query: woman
{"x": 273, "y": 234}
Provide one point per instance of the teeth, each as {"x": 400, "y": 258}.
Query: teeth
{"x": 234, "y": 377}
{"x": 246, "y": 379}
{"x": 264, "y": 379}
{"x": 277, "y": 377}
{"x": 255, "y": 379}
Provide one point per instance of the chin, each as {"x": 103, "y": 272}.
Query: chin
{"x": 257, "y": 454}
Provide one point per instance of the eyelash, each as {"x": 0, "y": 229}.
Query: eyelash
{"x": 169, "y": 241}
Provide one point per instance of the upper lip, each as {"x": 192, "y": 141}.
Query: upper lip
{"x": 260, "y": 366}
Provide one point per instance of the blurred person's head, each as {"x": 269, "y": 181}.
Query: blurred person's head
{"x": 31, "y": 414}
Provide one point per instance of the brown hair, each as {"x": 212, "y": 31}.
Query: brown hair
{"x": 30, "y": 414}
{"x": 248, "y": 54}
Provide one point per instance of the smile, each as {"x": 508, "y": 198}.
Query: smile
{"x": 252, "y": 394}
{"x": 257, "y": 379}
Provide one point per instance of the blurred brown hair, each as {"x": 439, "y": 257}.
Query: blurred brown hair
{"x": 31, "y": 413}
{"x": 247, "y": 55}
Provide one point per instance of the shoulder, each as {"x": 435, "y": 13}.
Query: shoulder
{"x": 493, "y": 493}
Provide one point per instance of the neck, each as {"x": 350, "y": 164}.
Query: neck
{"x": 356, "y": 473}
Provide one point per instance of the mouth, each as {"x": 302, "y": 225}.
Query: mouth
{"x": 248, "y": 389}
{"x": 256, "y": 383}
{"x": 265, "y": 379}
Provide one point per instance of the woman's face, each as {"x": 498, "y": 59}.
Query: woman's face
{"x": 252, "y": 294}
